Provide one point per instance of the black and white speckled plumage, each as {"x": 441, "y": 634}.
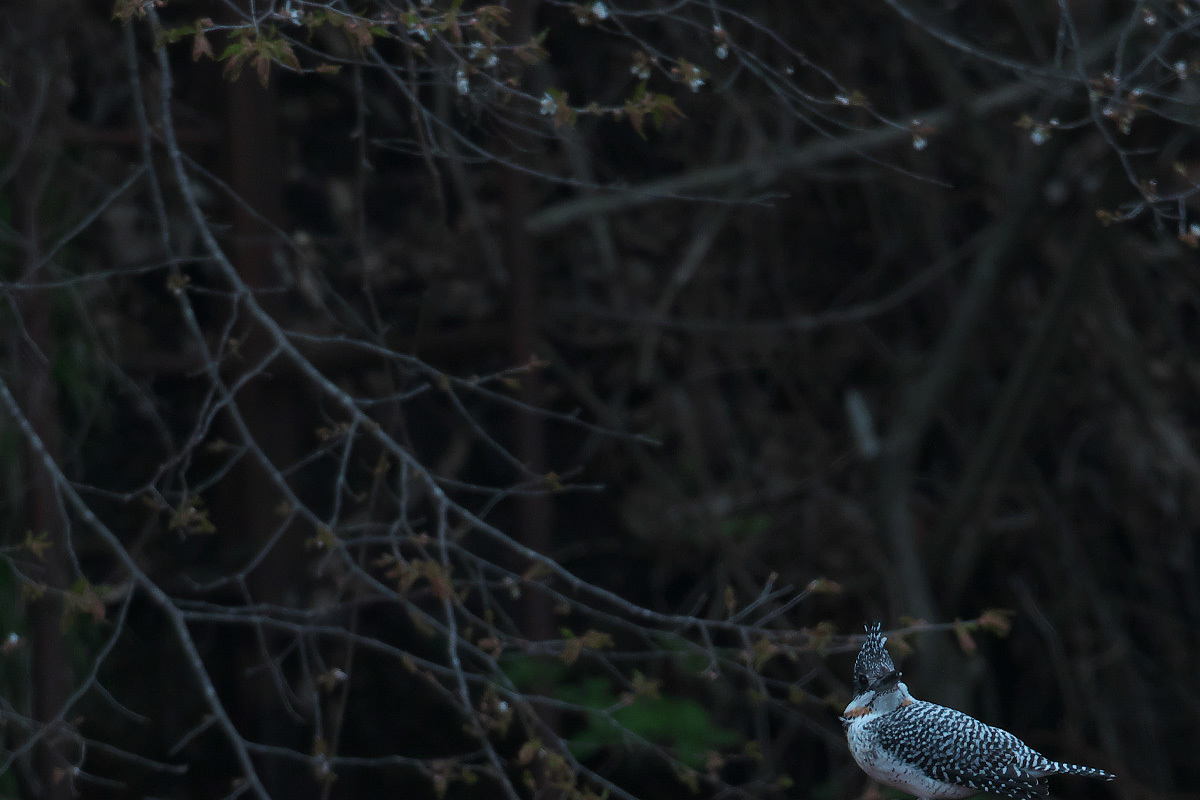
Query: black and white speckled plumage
{"x": 934, "y": 751}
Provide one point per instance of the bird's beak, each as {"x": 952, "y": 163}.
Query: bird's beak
{"x": 888, "y": 682}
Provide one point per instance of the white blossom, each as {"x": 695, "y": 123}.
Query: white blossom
{"x": 599, "y": 10}
{"x": 549, "y": 104}
{"x": 461, "y": 82}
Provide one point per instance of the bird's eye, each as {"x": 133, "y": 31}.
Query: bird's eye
{"x": 860, "y": 684}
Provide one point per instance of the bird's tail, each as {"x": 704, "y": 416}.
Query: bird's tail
{"x": 1089, "y": 772}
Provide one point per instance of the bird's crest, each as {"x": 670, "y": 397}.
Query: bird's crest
{"x": 873, "y": 662}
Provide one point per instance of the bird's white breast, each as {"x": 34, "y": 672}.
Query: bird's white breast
{"x": 884, "y": 767}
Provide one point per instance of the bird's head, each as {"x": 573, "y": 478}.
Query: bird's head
{"x": 877, "y": 686}
{"x": 873, "y": 669}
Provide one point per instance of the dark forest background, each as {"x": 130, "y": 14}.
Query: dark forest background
{"x": 532, "y": 400}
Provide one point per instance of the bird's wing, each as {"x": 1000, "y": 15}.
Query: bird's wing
{"x": 953, "y": 747}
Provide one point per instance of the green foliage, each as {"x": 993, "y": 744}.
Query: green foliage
{"x": 616, "y": 720}
{"x": 659, "y": 107}
{"x": 679, "y": 723}
{"x": 687, "y": 657}
{"x": 528, "y": 672}
{"x": 260, "y": 51}
{"x": 84, "y": 599}
{"x": 747, "y": 527}
{"x": 191, "y": 518}
{"x": 37, "y": 545}
{"x": 179, "y": 32}
{"x": 574, "y": 645}
{"x": 362, "y": 34}
{"x": 562, "y": 114}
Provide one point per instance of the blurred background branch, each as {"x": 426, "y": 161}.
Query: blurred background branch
{"x": 451, "y": 399}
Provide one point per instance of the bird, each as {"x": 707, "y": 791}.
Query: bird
{"x": 932, "y": 751}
